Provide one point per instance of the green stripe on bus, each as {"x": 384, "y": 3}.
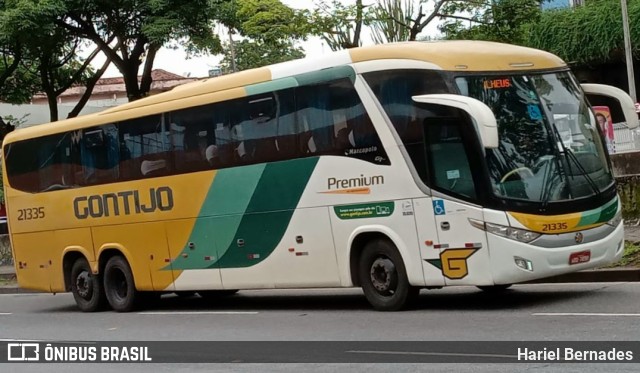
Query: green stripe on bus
{"x": 267, "y": 195}
{"x": 269, "y": 213}
{"x": 326, "y": 75}
{"x": 220, "y": 215}
{"x": 274, "y": 85}
{"x": 600, "y": 215}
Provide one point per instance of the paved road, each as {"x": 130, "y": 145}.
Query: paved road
{"x": 552, "y": 312}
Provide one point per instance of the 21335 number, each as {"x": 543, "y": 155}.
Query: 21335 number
{"x": 32, "y": 213}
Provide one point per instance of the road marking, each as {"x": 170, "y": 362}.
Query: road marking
{"x": 5, "y": 313}
{"x": 431, "y": 354}
{"x": 198, "y": 313}
{"x": 587, "y": 314}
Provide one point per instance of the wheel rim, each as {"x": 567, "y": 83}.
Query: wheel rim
{"x": 84, "y": 286}
{"x": 384, "y": 277}
{"x": 118, "y": 284}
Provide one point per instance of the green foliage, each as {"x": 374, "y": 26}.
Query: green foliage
{"x": 252, "y": 54}
{"x": 339, "y": 24}
{"x": 505, "y": 21}
{"x": 271, "y": 22}
{"x": 269, "y": 30}
{"x": 130, "y": 32}
{"x": 587, "y": 34}
{"x": 20, "y": 85}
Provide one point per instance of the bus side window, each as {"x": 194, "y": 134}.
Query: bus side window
{"x": 191, "y": 132}
{"x": 99, "y": 155}
{"x": 448, "y": 157}
{"x": 146, "y": 142}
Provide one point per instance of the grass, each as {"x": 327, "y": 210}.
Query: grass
{"x": 631, "y": 256}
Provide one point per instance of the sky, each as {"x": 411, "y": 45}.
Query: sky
{"x": 176, "y": 61}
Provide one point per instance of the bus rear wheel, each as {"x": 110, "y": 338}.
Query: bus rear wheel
{"x": 119, "y": 286}
{"x": 86, "y": 287}
{"x": 383, "y": 277}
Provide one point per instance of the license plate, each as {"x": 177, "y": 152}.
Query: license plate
{"x": 580, "y": 257}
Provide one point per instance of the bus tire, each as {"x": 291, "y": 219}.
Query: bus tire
{"x": 86, "y": 287}
{"x": 383, "y": 277}
{"x": 494, "y": 288}
{"x": 119, "y": 286}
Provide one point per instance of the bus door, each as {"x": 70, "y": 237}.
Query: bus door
{"x": 451, "y": 158}
{"x": 428, "y": 239}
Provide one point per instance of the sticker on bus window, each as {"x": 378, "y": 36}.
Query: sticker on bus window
{"x": 534, "y": 112}
{"x": 453, "y": 174}
{"x": 497, "y": 83}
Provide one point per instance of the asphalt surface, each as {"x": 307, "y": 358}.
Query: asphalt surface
{"x": 544, "y": 312}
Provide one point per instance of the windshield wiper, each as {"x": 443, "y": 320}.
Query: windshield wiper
{"x": 573, "y": 157}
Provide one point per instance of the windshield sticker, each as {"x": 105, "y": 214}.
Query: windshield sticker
{"x": 534, "y": 112}
{"x": 362, "y": 211}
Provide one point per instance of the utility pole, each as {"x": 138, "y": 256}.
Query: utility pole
{"x": 628, "y": 51}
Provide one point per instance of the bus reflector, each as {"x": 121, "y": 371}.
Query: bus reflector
{"x": 441, "y": 246}
{"x": 291, "y": 249}
{"x": 302, "y": 253}
{"x": 428, "y": 243}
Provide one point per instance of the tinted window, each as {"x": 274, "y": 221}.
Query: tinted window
{"x": 395, "y": 89}
{"x": 448, "y": 158}
{"x": 323, "y": 119}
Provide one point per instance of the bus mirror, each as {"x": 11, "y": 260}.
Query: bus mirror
{"x": 618, "y": 97}
{"x": 482, "y": 116}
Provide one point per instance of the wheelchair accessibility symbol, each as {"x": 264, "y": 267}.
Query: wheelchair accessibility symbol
{"x": 438, "y": 207}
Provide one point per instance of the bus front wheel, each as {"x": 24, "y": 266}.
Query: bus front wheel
{"x": 119, "y": 286}
{"x": 86, "y": 287}
{"x": 383, "y": 277}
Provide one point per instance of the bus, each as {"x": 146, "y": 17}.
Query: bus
{"x": 392, "y": 168}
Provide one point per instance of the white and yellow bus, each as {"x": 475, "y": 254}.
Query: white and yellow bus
{"x": 392, "y": 168}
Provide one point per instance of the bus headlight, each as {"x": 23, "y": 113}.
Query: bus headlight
{"x": 616, "y": 219}
{"x": 516, "y": 234}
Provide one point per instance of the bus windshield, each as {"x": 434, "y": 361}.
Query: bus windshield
{"x": 550, "y": 148}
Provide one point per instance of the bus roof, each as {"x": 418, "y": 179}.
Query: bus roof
{"x": 458, "y": 55}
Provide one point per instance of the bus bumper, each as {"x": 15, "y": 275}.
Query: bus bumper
{"x": 543, "y": 262}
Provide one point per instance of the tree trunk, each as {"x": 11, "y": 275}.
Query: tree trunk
{"x": 53, "y": 106}
{"x": 131, "y": 83}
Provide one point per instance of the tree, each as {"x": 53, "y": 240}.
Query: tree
{"x": 588, "y": 34}
{"x": 17, "y": 84}
{"x": 130, "y": 32}
{"x": 384, "y": 25}
{"x": 269, "y": 30}
{"x": 505, "y": 21}
{"x": 49, "y": 59}
{"x": 250, "y": 54}
{"x": 339, "y": 25}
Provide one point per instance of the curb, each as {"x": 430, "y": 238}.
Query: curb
{"x": 594, "y": 275}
